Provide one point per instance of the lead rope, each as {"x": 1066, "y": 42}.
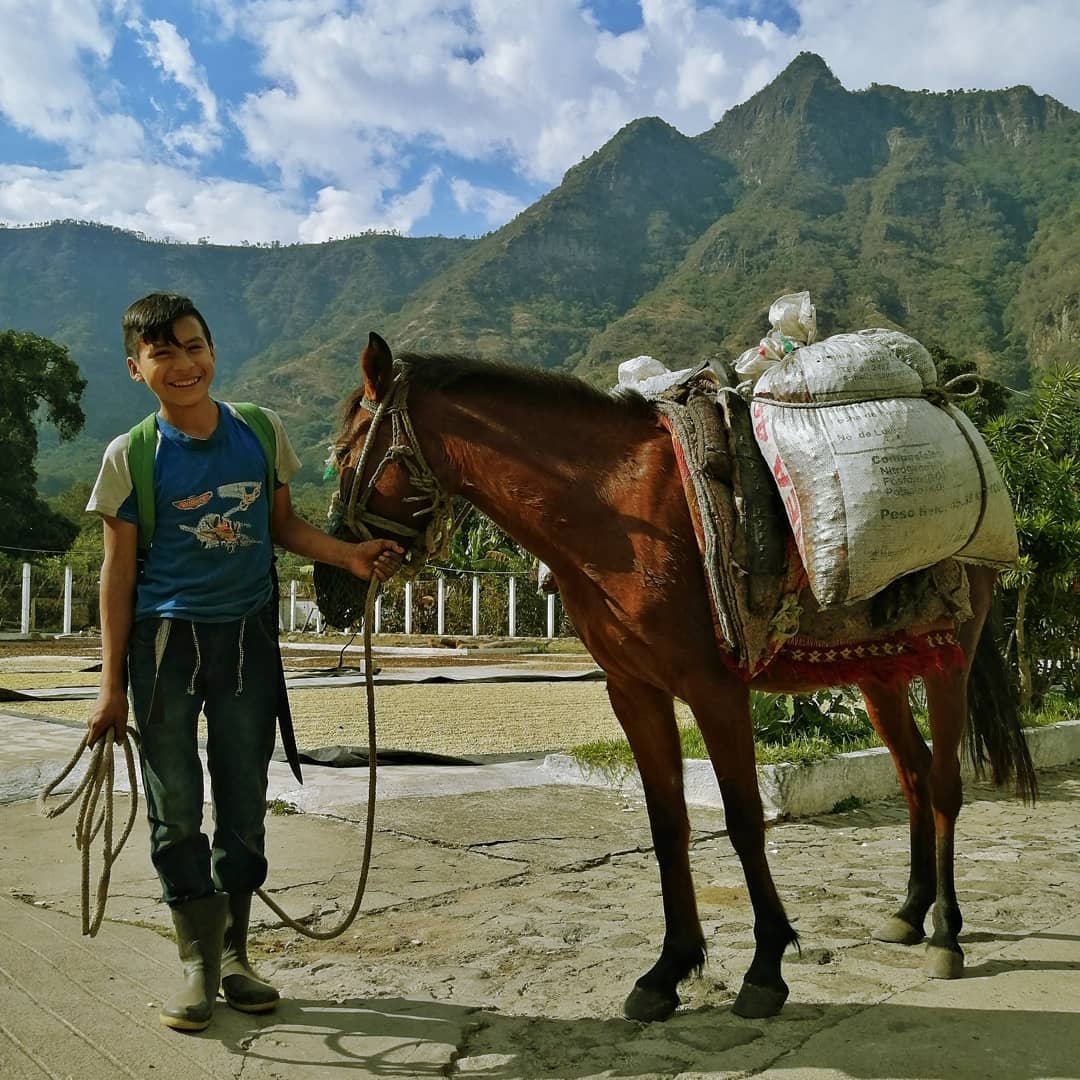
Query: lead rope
{"x": 369, "y": 825}
{"x": 99, "y": 778}
{"x": 99, "y": 775}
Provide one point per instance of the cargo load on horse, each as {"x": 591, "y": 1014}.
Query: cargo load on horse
{"x": 879, "y": 473}
{"x": 821, "y": 475}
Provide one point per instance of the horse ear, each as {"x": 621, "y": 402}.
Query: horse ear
{"x": 377, "y": 364}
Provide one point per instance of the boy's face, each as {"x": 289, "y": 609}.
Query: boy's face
{"x": 178, "y": 376}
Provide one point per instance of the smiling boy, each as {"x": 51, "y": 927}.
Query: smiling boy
{"x": 190, "y": 624}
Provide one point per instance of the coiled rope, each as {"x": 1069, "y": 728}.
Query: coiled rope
{"x": 98, "y": 784}
{"x": 98, "y": 780}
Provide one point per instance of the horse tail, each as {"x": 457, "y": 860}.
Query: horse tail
{"x": 994, "y": 735}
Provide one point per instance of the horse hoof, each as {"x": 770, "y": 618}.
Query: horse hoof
{"x": 942, "y": 963}
{"x": 649, "y": 1005}
{"x": 899, "y": 932}
{"x": 755, "y": 1002}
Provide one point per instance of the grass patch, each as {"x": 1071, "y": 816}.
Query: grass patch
{"x": 1056, "y": 707}
{"x": 282, "y": 807}
{"x": 842, "y": 806}
{"x": 795, "y": 731}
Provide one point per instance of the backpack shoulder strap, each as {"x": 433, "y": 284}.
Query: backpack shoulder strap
{"x": 142, "y": 446}
{"x": 264, "y": 431}
{"x": 261, "y": 425}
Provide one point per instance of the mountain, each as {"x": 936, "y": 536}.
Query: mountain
{"x": 275, "y": 313}
{"x": 953, "y": 216}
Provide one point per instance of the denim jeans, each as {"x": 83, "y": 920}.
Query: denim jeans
{"x": 229, "y": 671}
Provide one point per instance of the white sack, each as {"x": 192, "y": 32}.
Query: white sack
{"x": 877, "y": 480}
{"x": 648, "y": 376}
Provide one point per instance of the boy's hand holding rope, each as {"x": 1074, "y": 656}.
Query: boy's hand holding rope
{"x": 99, "y": 779}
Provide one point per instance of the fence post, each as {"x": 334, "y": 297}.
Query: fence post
{"x": 551, "y": 615}
{"x": 24, "y": 613}
{"x": 292, "y": 605}
{"x": 378, "y": 615}
{"x": 511, "y": 606}
{"x": 476, "y": 605}
{"x": 318, "y": 621}
{"x": 68, "y": 582}
{"x": 440, "y": 614}
{"x": 408, "y": 608}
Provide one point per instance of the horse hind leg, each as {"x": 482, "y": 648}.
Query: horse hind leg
{"x": 723, "y": 715}
{"x": 890, "y": 714}
{"x": 647, "y": 716}
{"x": 946, "y": 697}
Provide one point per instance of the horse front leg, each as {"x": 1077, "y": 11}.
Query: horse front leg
{"x": 946, "y": 699}
{"x": 722, "y": 710}
{"x": 647, "y": 716}
{"x": 890, "y": 713}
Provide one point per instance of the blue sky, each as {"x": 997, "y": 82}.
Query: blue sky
{"x": 306, "y": 120}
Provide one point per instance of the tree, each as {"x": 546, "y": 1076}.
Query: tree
{"x": 35, "y": 374}
{"x": 479, "y": 544}
{"x": 1038, "y": 453}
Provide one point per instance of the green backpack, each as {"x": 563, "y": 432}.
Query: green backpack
{"x": 142, "y": 445}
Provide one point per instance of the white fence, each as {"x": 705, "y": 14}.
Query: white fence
{"x": 425, "y": 607}
{"x": 466, "y": 605}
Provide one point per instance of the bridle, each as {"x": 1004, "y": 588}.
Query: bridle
{"x": 350, "y": 513}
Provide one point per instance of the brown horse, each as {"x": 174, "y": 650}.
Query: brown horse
{"x": 589, "y": 484}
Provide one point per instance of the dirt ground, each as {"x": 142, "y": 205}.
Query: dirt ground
{"x": 501, "y": 931}
{"x": 453, "y": 719}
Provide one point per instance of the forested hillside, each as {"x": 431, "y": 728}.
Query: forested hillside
{"x": 954, "y": 216}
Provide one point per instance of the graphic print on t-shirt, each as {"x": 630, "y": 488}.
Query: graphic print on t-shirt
{"x": 194, "y": 501}
{"x": 219, "y": 530}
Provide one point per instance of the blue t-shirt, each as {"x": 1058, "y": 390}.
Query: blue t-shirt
{"x": 210, "y": 557}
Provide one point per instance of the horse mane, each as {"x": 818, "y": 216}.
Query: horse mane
{"x": 449, "y": 372}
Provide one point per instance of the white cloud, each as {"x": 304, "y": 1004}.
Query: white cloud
{"x": 158, "y": 200}
{"x": 171, "y": 53}
{"x": 48, "y": 51}
{"x": 622, "y": 53}
{"x": 948, "y": 44}
{"x": 349, "y": 97}
{"x": 340, "y": 213}
{"x": 495, "y": 206}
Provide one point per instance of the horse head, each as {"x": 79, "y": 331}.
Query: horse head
{"x": 385, "y": 486}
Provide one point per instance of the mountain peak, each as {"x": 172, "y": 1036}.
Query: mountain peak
{"x": 807, "y": 67}
{"x": 803, "y": 121}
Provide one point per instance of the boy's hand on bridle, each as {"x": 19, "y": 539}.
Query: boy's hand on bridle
{"x": 110, "y": 711}
{"x": 376, "y": 560}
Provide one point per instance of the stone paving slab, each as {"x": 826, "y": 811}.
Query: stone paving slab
{"x": 503, "y": 928}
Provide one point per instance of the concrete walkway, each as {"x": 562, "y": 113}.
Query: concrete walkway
{"x": 506, "y": 919}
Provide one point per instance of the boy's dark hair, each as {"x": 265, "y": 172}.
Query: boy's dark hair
{"x": 151, "y": 320}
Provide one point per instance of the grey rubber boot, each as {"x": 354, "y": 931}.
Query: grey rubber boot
{"x": 243, "y": 989}
{"x": 200, "y": 930}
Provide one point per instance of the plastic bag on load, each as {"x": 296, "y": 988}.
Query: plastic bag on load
{"x": 639, "y": 368}
{"x": 648, "y": 376}
{"x": 795, "y": 317}
{"x": 794, "y": 323}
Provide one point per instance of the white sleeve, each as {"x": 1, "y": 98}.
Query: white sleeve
{"x": 113, "y": 484}
{"x": 287, "y": 464}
